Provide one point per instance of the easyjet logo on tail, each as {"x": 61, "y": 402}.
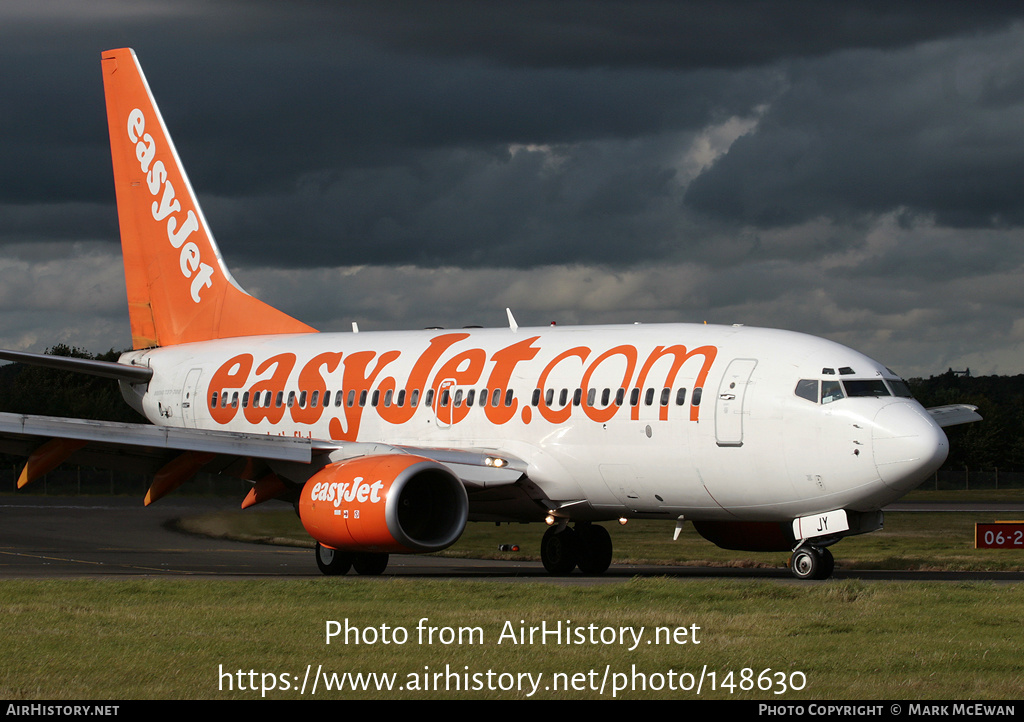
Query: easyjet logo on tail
{"x": 167, "y": 206}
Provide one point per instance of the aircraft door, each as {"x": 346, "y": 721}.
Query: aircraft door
{"x": 729, "y": 407}
{"x": 190, "y": 398}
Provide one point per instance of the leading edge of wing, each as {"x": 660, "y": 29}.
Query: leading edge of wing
{"x": 280, "y": 448}
{"x": 479, "y": 468}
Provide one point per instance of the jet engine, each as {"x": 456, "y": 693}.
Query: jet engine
{"x": 386, "y": 503}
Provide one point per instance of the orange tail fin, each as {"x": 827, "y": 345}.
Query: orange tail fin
{"x": 179, "y": 290}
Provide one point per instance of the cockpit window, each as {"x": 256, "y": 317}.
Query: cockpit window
{"x": 857, "y": 387}
{"x": 852, "y": 388}
{"x": 899, "y": 388}
{"x": 831, "y": 391}
{"x": 807, "y": 389}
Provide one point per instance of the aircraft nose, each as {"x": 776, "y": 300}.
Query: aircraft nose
{"x": 908, "y": 445}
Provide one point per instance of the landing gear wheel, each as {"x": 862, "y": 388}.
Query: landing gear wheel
{"x": 370, "y": 563}
{"x": 558, "y": 550}
{"x": 594, "y": 549}
{"x": 812, "y": 563}
{"x": 332, "y": 562}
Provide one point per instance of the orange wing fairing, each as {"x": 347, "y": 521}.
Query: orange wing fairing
{"x": 450, "y": 385}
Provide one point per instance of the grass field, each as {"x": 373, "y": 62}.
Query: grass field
{"x": 648, "y": 638}
{"x": 168, "y": 639}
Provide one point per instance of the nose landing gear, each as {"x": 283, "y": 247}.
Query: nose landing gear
{"x": 811, "y": 562}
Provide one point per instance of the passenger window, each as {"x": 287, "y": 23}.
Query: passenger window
{"x": 666, "y": 394}
{"x": 508, "y": 397}
{"x": 680, "y": 397}
{"x": 695, "y": 398}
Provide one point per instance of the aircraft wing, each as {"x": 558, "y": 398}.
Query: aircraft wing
{"x": 175, "y": 455}
{"x": 954, "y": 414}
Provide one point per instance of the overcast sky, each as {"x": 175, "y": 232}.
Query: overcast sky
{"x": 853, "y": 170}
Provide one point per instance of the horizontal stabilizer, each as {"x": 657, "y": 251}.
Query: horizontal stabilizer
{"x": 107, "y": 369}
{"x": 954, "y": 414}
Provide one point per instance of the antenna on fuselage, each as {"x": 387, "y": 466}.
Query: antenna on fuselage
{"x": 512, "y": 320}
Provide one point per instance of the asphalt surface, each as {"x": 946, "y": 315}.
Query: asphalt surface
{"x": 112, "y": 537}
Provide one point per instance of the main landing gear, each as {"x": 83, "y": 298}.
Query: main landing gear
{"x": 333, "y": 563}
{"x": 586, "y": 546}
{"x": 811, "y": 562}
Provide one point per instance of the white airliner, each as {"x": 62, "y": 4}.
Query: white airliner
{"x": 392, "y": 441}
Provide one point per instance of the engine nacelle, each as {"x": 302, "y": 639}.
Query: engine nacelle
{"x": 387, "y": 503}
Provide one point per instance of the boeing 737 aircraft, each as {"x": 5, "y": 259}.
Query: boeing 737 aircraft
{"x": 392, "y": 441}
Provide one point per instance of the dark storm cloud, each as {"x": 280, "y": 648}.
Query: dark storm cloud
{"x": 527, "y": 206}
{"x": 662, "y": 33}
{"x": 936, "y": 130}
{"x": 849, "y": 169}
{"x": 256, "y": 104}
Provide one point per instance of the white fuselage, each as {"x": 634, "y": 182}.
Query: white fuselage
{"x": 616, "y": 421}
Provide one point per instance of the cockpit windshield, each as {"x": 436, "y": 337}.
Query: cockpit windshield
{"x": 858, "y": 387}
{"x": 832, "y": 390}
